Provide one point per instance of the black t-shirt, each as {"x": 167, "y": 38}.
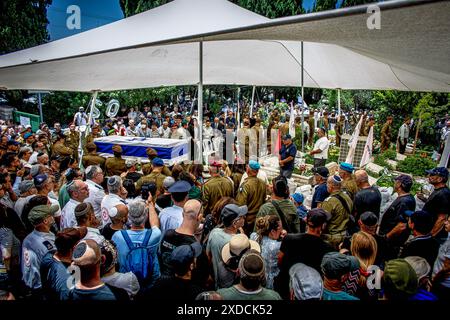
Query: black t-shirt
{"x": 439, "y": 203}
{"x": 303, "y": 248}
{"x": 170, "y": 241}
{"x": 425, "y": 246}
{"x": 107, "y": 231}
{"x": 367, "y": 200}
{"x": 396, "y": 212}
{"x": 173, "y": 288}
{"x": 286, "y": 152}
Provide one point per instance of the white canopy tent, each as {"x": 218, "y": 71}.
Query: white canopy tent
{"x": 160, "y": 47}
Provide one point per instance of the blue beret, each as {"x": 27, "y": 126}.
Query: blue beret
{"x": 180, "y": 186}
{"x": 158, "y": 162}
{"x": 27, "y": 135}
{"x": 254, "y": 165}
{"x": 346, "y": 167}
{"x": 298, "y": 197}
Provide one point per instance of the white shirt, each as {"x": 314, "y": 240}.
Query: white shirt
{"x": 96, "y": 195}
{"x": 164, "y": 133}
{"x": 132, "y": 132}
{"x": 208, "y": 132}
{"x": 323, "y": 145}
{"x": 108, "y": 206}
{"x": 403, "y": 132}
{"x": 33, "y": 158}
{"x": 94, "y": 234}
{"x": 68, "y": 219}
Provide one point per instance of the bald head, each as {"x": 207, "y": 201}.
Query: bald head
{"x": 191, "y": 209}
{"x": 361, "y": 176}
{"x": 122, "y": 214}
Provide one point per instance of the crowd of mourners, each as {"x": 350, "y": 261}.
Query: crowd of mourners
{"x": 77, "y": 226}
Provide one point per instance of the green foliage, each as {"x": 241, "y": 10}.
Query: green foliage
{"x": 23, "y": 24}
{"x": 322, "y": 5}
{"x": 416, "y": 165}
{"x": 390, "y": 154}
{"x": 132, "y": 7}
{"x": 387, "y": 180}
{"x": 381, "y": 160}
{"x": 352, "y": 3}
{"x": 272, "y": 8}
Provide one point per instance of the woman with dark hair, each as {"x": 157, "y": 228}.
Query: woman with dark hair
{"x": 195, "y": 192}
{"x": 128, "y": 184}
{"x": 196, "y": 170}
{"x": 176, "y": 171}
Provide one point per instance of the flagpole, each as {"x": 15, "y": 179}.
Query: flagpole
{"x": 303, "y": 99}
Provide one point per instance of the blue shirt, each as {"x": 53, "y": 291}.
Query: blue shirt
{"x": 320, "y": 195}
{"x": 170, "y": 218}
{"x": 137, "y": 236}
{"x": 54, "y": 278}
{"x": 286, "y": 152}
{"x": 302, "y": 211}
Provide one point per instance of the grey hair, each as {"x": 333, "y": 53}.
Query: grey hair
{"x": 114, "y": 184}
{"x": 91, "y": 171}
{"x": 72, "y": 187}
{"x": 137, "y": 212}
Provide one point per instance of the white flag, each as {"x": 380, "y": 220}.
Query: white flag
{"x": 353, "y": 142}
{"x": 367, "y": 149}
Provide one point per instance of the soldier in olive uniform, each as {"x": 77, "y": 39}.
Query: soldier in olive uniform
{"x": 339, "y": 130}
{"x": 60, "y": 148}
{"x": 216, "y": 187}
{"x": 339, "y": 206}
{"x": 115, "y": 166}
{"x": 252, "y": 193}
{"x": 155, "y": 176}
{"x": 92, "y": 158}
{"x": 73, "y": 140}
{"x": 366, "y": 128}
{"x": 386, "y": 135}
{"x": 348, "y": 179}
{"x": 94, "y": 134}
{"x": 147, "y": 168}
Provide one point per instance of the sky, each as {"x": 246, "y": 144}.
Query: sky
{"x": 95, "y": 13}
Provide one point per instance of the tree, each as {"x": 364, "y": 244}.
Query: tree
{"x": 322, "y": 5}
{"x": 132, "y": 7}
{"x": 352, "y": 3}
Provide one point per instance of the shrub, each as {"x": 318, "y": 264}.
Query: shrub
{"x": 416, "y": 165}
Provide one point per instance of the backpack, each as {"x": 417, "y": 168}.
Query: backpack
{"x": 139, "y": 260}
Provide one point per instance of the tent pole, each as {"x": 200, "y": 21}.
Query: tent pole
{"x": 88, "y": 126}
{"x": 253, "y": 99}
{"x": 303, "y": 100}
{"x": 40, "y": 107}
{"x": 200, "y": 103}
{"x": 238, "y": 116}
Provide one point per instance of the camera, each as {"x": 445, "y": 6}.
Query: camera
{"x": 148, "y": 188}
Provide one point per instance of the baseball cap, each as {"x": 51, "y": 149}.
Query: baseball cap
{"x": 306, "y": 282}
{"x": 157, "y": 162}
{"x": 231, "y": 212}
{"x": 86, "y": 252}
{"x": 168, "y": 182}
{"x": 38, "y": 213}
{"x": 439, "y": 171}
{"x": 254, "y": 165}
{"x": 182, "y": 257}
{"x": 369, "y": 219}
{"x": 420, "y": 266}
{"x": 117, "y": 148}
{"x": 321, "y": 171}
{"x": 317, "y": 217}
{"x": 399, "y": 277}
{"x": 25, "y": 186}
{"x": 346, "y": 167}
{"x": 335, "y": 264}
{"x": 180, "y": 187}
{"x": 298, "y": 197}
{"x": 405, "y": 180}
{"x": 286, "y": 137}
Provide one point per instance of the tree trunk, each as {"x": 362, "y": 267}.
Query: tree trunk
{"x": 417, "y": 134}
